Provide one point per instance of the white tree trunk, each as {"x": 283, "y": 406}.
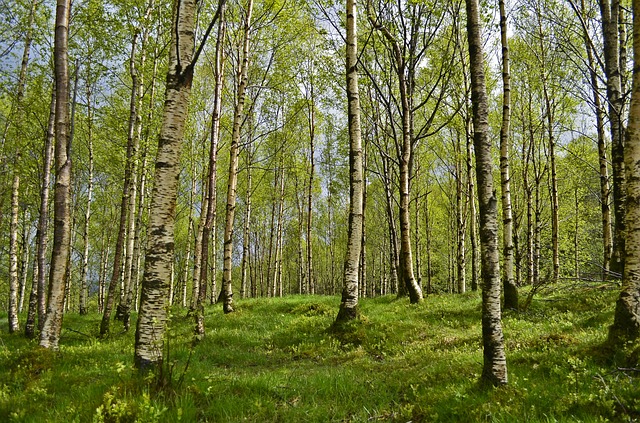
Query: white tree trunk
{"x": 227, "y": 289}
{"x": 626, "y": 325}
{"x": 52, "y": 326}
{"x": 349, "y": 303}
{"x": 495, "y": 364}
{"x": 508, "y": 282}
{"x": 14, "y": 325}
{"x": 152, "y": 317}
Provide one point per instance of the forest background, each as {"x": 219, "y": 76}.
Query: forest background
{"x": 293, "y": 162}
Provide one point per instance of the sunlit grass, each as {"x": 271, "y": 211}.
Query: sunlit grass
{"x": 280, "y": 360}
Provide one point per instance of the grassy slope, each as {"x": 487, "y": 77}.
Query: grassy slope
{"x": 274, "y": 360}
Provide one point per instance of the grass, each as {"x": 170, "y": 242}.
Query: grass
{"x": 275, "y": 360}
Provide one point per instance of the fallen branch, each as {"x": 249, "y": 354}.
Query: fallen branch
{"x": 81, "y": 333}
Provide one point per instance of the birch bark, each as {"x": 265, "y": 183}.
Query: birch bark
{"x": 626, "y": 325}
{"x": 349, "y": 302}
{"x": 227, "y": 289}
{"x": 495, "y": 364}
{"x": 50, "y": 333}
{"x": 152, "y": 318}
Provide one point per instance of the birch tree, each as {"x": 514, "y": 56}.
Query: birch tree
{"x": 495, "y": 364}
{"x": 16, "y": 110}
{"x": 14, "y": 325}
{"x": 508, "y": 282}
{"x": 152, "y": 317}
{"x": 50, "y": 334}
{"x": 37, "y": 298}
{"x": 232, "y": 184}
{"x": 209, "y": 209}
{"x": 609, "y": 11}
{"x": 626, "y": 324}
{"x": 349, "y": 302}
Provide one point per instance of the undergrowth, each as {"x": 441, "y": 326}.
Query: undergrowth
{"x": 281, "y": 359}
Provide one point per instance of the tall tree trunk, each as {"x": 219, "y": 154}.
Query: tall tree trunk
{"x": 393, "y": 233}
{"x": 270, "y": 253}
{"x": 209, "y": 227}
{"x": 104, "y": 261}
{"x": 279, "y": 232}
{"x": 190, "y": 228}
{"x": 137, "y": 241}
{"x": 605, "y": 189}
{"x": 123, "y": 312}
{"x": 406, "y": 255}
{"x": 198, "y": 259}
{"x": 122, "y": 240}
{"x": 152, "y": 318}
{"x": 461, "y": 224}
{"x": 16, "y": 110}
{"x": 549, "y": 105}
{"x": 50, "y": 334}
{"x": 332, "y": 240}
{"x": 227, "y": 289}
{"x": 417, "y": 245}
{"x": 87, "y": 214}
{"x": 24, "y": 260}
{"x": 14, "y": 325}
{"x": 609, "y": 10}
{"x": 349, "y": 302}
{"x": 37, "y": 298}
{"x": 626, "y": 324}
{"x": 405, "y": 159}
{"x": 622, "y": 39}
{"x": 576, "y": 233}
{"x": 68, "y": 297}
{"x": 245, "y": 229}
{"x": 508, "y": 282}
{"x": 495, "y": 364}
{"x": 527, "y": 150}
{"x": 427, "y": 224}
{"x": 273, "y": 240}
{"x": 362, "y": 276}
{"x": 472, "y": 212}
{"x": 142, "y": 184}
{"x": 312, "y": 134}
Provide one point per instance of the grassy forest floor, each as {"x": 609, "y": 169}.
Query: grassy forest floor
{"x": 274, "y": 360}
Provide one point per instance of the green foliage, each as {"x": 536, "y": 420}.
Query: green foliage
{"x": 276, "y": 360}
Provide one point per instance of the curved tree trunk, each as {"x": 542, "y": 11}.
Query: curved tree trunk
{"x": 495, "y": 364}
{"x": 405, "y": 159}
{"x": 152, "y": 318}
{"x": 393, "y": 233}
